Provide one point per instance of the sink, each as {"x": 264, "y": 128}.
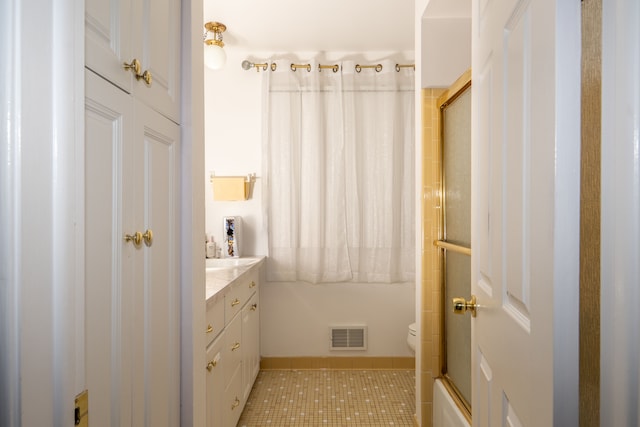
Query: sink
{"x": 224, "y": 263}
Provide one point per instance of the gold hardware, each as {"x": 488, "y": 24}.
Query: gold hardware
{"x": 235, "y": 404}
{"x": 148, "y": 237}
{"x": 460, "y": 306}
{"x": 254, "y": 307}
{"x": 452, "y": 247}
{"x": 136, "y": 238}
{"x": 81, "y": 417}
{"x": 235, "y": 302}
{"x": 235, "y": 346}
{"x": 252, "y": 284}
{"x": 134, "y": 66}
{"x": 146, "y": 76}
{"x": 211, "y": 365}
{"x": 209, "y": 329}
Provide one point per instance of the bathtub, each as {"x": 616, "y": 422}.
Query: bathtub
{"x": 445, "y": 410}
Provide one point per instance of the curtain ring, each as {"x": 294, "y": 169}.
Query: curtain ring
{"x": 358, "y": 68}
{"x": 336, "y": 68}
{"x": 273, "y": 66}
{"x": 293, "y": 67}
{"x": 378, "y": 68}
{"x": 398, "y": 67}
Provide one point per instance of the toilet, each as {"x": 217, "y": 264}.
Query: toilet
{"x": 411, "y": 337}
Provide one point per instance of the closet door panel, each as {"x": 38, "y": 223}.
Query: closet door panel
{"x": 109, "y": 259}
{"x": 156, "y": 39}
{"x": 107, "y": 40}
{"x": 157, "y": 296}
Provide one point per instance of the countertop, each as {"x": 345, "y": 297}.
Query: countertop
{"x": 217, "y": 279}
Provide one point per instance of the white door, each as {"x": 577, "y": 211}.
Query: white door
{"x": 156, "y": 317}
{"x": 132, "y": 353}
{"x": 525, "y": 206}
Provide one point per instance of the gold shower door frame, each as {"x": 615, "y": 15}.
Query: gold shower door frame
{"x": 461, "y": 85}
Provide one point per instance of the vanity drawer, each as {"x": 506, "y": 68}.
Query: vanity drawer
{"x": 239, "y": 293}
{"x": 214, "y": 317}
{"x": 232, "y": 352}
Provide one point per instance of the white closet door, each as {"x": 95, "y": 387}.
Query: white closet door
{"x": 110, "y": 260}
{"x": 157, "y": 296}
{"x": 107, "y": 40}
{"x": 156, "y": 41}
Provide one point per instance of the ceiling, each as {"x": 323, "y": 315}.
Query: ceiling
{"x": 315, "y": 25}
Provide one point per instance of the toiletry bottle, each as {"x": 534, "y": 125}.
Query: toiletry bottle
{"x": 211, "y": 248}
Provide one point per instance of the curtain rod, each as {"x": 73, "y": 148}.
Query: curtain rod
{"x": 246, "y": 65}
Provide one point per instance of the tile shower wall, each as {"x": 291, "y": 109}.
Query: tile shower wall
{"x": 429, "y": 364}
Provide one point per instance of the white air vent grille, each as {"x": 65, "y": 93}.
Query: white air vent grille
{"x": 348, "y": 337}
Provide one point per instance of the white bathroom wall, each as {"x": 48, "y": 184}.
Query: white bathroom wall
{"x": 295, "y": 316}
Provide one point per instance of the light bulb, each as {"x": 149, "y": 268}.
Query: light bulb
{"x": 214, "y": 57}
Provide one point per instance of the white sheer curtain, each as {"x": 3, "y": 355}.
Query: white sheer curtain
{"x": 339, "y": 173}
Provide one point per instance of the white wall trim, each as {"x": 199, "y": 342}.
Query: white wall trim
{"x": 620, "y": 221}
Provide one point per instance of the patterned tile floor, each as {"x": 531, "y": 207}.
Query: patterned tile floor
{"x": 331, "y": 398}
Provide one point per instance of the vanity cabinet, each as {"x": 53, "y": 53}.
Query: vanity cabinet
{"x": 233, "y": 353}
{"x": 119, "y": 31}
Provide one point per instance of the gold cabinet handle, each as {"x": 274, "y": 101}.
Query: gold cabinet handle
{"x": 146, "y": 76}
{"x": 136, "y": 238}
{"x": 254, "y": 307}
{"x": 235, "y": 302}
{"x": 148, "y": 237}
{"x": 235, "y": 346}
{"x": 209, "y": 329}
{"x": 252, "y": 284}
{"x": 235, "y": 404}
{"x": 211, "y": 365}
{"x": 460, "y": 306}
{"x": 134, "y": 66}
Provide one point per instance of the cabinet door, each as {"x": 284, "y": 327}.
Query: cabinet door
{"x": 117, "y": 31}
{"x": 215, "y": 383}
{"x": 156, "y": 319}
{"x": 107, "y": 40}
{"x": 156, "y": 41}
{"x": 109, "y": 260}
{"x": 251, "y": 344}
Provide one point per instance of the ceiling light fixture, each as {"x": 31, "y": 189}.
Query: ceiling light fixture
{"x": 214, "y": 55}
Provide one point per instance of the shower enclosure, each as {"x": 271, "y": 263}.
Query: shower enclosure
{"x": 455, "y": 244}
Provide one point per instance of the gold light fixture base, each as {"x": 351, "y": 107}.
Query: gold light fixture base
{"x": 217, "y": 29}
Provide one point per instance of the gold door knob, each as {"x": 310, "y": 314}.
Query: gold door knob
{"x": 211, "y": 365}
{"x": 136, "y": 238}
{"x": 254, "y": 307}
{"x": 146, "y": 76}
{"x": 252, "y": 284}
{"x": 148, "y": 237}
{"x": 460, "y": 306}
{"x": 235, "y": 346}
{"x": 134, "y": 66}
{"x": 235, "y": 302}
{"x": 209, "y": 329}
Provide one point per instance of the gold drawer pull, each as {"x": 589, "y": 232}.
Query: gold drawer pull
{"x": 254, "y": 307}
{"x": 235, "y": 302}
{"x": 148, "y": 237}
{"x": 235, "y": 404}
{"x": 211, "y": 365}
{"x": 209, "y": 328}
{"x": 252, "y": 284}
{"x": 235, "y": 346}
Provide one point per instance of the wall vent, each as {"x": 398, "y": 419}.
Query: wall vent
{"x": 348, "y": 337}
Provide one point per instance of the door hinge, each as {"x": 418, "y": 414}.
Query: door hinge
{"x": 81, "y": 415}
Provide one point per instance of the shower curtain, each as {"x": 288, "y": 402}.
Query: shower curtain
{"x": 339, "y": 173}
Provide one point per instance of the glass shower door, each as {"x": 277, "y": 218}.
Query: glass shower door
{"x": 455, "y": 242}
